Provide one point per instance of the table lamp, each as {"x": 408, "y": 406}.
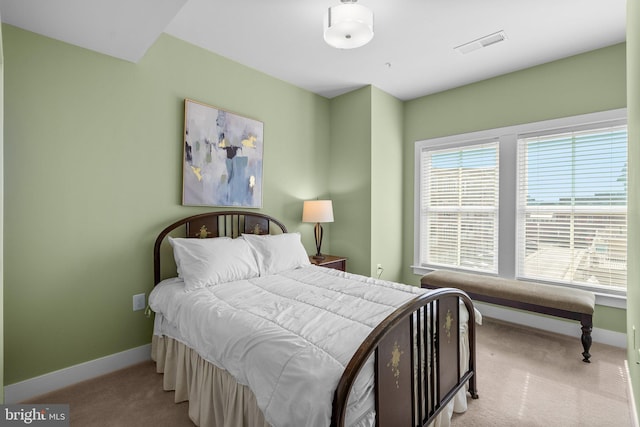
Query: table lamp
{"x": 317, "y": 211}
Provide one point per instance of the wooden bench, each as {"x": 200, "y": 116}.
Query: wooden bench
{"x": 568, "y": 303}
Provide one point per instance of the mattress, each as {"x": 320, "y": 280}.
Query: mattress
{"x": 288, "y": 337}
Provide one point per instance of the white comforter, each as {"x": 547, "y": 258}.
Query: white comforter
{"x": 287, "y": 336}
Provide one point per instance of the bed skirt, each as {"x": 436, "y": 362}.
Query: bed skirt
{"x": 215, "y": 398}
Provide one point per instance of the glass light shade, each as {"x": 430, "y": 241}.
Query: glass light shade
{"x": 317, "y": 211}
{"x": 348, "y": 25}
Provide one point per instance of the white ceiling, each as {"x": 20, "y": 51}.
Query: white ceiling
{"x": 411, "y": 55}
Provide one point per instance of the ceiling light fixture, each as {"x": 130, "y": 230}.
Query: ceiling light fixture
{"x": 348, "y": 25}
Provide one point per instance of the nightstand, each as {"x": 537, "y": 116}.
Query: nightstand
{"x": 330, "y": 261}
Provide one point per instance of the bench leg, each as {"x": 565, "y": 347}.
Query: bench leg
{"x": 587, "y": 325}
{"x": 473, "y": 390}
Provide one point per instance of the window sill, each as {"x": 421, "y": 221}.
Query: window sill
{"x": 608, "y": 300}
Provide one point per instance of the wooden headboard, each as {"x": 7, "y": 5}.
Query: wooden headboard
{"x": 217, "y": 224}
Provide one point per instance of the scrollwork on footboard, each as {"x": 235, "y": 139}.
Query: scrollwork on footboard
{"x": 394, "y": 363}
{"x": 417, "y": 361}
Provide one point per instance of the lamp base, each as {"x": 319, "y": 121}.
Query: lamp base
{"x": 318, "y": 234}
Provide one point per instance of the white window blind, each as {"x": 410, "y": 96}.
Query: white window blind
{"x": 459, "y": 207}
{"x": 572, "y": 207}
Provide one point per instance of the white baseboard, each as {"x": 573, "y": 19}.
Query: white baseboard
{"x": 632, "y": 402}
{"x": 564, "y": 327}
{"x": 27, "y": 389}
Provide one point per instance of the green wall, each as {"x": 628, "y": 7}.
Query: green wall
{"x": 350, "y": 178}
{"x": 590, "y": 82}
{"x": 92, "y": 161}
{"x": 386, "y": 179}
{"x": 365, "y": 178}
{"x": 1, "y": 220}
{"x": 633, "y": 112}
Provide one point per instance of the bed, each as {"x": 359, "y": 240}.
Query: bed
{"x": 252, "y": 334}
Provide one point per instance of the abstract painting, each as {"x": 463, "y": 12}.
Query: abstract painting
{"x": 222, "y": 163}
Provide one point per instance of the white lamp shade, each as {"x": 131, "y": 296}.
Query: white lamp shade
{"x": 348, "y": 25}
{"x": 317, "y": 211}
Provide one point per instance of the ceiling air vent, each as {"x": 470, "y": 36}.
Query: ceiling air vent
{"x": 481, "y": 42}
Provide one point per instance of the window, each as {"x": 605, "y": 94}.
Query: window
{"x": 572, "y": 207}
{"x": 544, "y": 201}
{"x": 459, "y": 207}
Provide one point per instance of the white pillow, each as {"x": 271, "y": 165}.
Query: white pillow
{"x": 278, "y": 252}
{"x": 208, "y": 262}
{"x": 193, "y": 244}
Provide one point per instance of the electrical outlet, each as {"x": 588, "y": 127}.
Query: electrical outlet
{"x": 138, "y": 302}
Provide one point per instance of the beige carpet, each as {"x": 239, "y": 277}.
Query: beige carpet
{"x": 526, "y": 378}
{"x": 131, "y": 397}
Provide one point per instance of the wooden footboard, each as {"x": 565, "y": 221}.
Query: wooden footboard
{"x": 417, "y": 361}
